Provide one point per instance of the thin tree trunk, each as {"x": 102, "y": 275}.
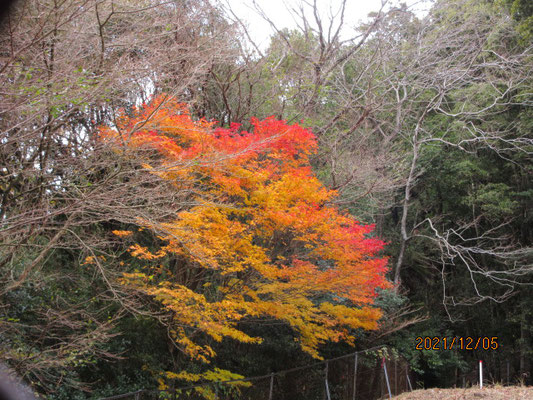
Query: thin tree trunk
{"x": 525, "y": 339}
{"x": 405, "y": 210}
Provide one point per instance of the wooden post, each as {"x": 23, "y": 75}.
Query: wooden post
{"x": 355, "y": 376}
{"x": 408, "y": 380}
{"x": 326, "y": 381}
{"x": 508, "y": 372}
{"x": 395, "y": 377}
{"x": 480, "y": 374}
{"x": 271, "y": 393}
{"x": 386, "y": 377}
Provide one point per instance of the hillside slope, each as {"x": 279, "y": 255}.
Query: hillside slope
{"x": 493, "y": 393}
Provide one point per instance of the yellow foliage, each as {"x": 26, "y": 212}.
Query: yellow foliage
{"x": 262, "y": 238}
{"x": 88, "y": 260}
{"x": 122, "y": 233}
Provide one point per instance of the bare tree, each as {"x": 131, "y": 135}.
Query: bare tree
{"x": 431, "y": 77}
{"x": 373, "y": 100}
{"x": 67, "y": 67}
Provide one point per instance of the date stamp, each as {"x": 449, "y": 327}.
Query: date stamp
{"x": 458, "y": 343}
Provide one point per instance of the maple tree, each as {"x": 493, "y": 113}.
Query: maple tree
{"x": 260, "y": 237}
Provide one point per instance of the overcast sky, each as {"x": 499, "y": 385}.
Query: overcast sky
{"x": 260, "y": 30}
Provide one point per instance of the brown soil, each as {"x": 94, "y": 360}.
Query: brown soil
{"x": 489, "y": 393}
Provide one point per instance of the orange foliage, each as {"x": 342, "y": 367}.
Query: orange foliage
{"x": 263, "y": 239}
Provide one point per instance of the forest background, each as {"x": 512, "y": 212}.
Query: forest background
{"x": 136, "y": 250}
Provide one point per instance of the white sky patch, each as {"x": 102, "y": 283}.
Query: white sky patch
{"x": 278, "y": 11}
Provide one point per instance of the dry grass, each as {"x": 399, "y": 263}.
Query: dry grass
{"x": 489, "y": 393}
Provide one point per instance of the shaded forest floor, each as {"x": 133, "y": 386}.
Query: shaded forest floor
{"x": 493, "y": 393}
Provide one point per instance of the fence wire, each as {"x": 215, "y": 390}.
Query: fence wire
{"x": 355, "y": 376}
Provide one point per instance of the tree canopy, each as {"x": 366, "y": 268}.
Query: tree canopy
{"x": 260, "y": 238}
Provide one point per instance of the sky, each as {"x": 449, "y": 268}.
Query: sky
{"x": 260, "y": 30}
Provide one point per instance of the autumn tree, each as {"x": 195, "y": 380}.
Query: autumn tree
{"x": 259, "y": 239}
